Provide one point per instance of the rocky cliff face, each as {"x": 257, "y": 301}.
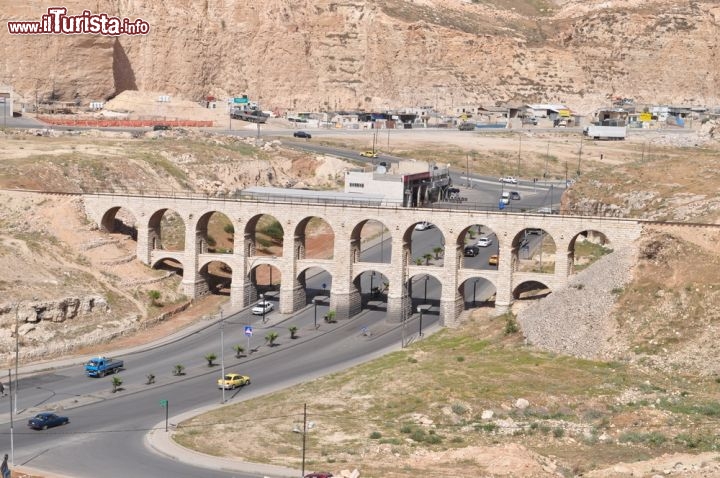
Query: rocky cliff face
{"x": 374, "y": 54}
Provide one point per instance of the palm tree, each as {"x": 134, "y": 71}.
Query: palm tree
{"x": 154, "y": 296}
{"x": 116, "y": 382}
{"x": 427, "y": 258}
{"x": 178, "y": 369}
{"x": 330, "y": 317}
{"x": 271, "y": 337}
{"x": 293, "y": 332}
{"x": 210, "y": 359}
{"x": 437, "y": 251}
{"x": 239, "y": 350}
{"x": 418, "y": 261}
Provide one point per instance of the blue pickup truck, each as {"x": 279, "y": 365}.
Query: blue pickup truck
{"x": 101, "y": 366}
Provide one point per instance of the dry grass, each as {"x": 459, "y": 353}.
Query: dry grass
{"x": 427, "y": 400}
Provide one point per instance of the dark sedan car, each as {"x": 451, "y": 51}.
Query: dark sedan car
{"x": 43, "y": 421}
{"x": 302, "y": 134}
{"x": 471, "y": 251}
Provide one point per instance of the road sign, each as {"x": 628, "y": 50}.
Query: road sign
{"x": 248, "y": 330}
{"x": 163, "y": 403}
{"x": 324, "y": 285}
{"x": 241, "y": 100}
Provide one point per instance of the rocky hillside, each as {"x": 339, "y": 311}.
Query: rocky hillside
{"x": 379, "y": 53}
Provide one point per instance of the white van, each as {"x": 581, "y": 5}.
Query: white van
{"x": 505, "y": 198}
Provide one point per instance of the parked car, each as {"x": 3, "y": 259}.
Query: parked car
{"x": 161, "y": 127}
{"x": 505, "y": 198}
{"x": 493, "y": 260}
{"x": 471, "y": 251}
{"x": 514, "y": 195}
{"x": 533, "y": 231}
{"x": 484, "y": 242}
{"x": 302, "y": 134}
{"x": 262, "y": 307}
{"x": 45, "y": 420}
{"x": 423, "y": 226}
{"x": 466, "y": 126}
{"x": 232, "y": 381}
{"x": 509, "y": 180}
{"x": 369, "y": 154}
{"x": 319, "y": 474}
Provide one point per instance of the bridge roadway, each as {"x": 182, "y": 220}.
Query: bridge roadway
{"x": 346, "y": 222}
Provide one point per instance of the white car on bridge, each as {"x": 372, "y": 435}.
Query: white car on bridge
{"x": 509, "y": 180}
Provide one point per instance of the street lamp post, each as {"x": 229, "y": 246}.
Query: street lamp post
{"x": 420, "y": 309}
{"x": 222, "y": 353}
{"x": 315, "y": 303}
{"x": 262, "y": 301}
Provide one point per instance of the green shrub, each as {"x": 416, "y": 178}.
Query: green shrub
{"x": 375, "y": 435}
{"x": 511, "y": 326}
{"x": 459, "y": 409}
{"x": 558, "y": 432}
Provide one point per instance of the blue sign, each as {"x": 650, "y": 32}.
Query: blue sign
{"x": 501, "y": 205}
{"x": 324, "y": 285}
{"x": 248, "y": 330}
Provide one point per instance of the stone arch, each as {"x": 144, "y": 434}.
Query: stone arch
{"x": 372, "y": 287}
{"x": 377, "y": 240}
{"x": 585, "y": 248}
{"x": 309, "y": 282}
{"x": 319, "y": 229}
{"x": 215, "y": 232}
{"x": 530, "y": 290}
{"x": 120, "y": 220}
{"x": 534, "y": 250}
{"x": 263, "y": 279}
{"x": 166, "y": 230}
{"x": 216, "y": 278}
{"x": 169, "y": 263}
{"x": 424, "y": 288}
{"x": 425, "y": 242}
{"x": 477, "y": 292}
{"x": 263, "y": 236}
{"x": 476, "y": 255}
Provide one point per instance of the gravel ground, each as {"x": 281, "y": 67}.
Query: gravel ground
{"x": 578, "y": 320}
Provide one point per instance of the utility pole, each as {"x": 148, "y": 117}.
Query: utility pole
{"x": 580, "y": 155}
{"x": 12, "y": 436}
{"x": 467, "y": 168}
{"x": 222, "y": 354}
{"x": 17, "y": 356}
{"x": 519, "y": 153}
{"x": 304, "y": 432}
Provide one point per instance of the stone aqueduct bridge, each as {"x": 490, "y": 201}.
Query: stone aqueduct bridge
{"x": 346, "y": 221}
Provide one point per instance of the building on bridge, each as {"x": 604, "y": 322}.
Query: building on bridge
{"x": 408, "y": 183}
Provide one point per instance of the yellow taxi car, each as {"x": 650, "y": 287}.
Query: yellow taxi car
{"x": 369, "y": 154}
{"x": 493, "y": 260}
{"x": 233, "y": 380}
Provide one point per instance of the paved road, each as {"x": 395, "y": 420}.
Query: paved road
{"x": 107, "y": 429}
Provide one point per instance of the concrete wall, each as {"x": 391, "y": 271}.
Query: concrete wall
{"x": 343, "y": 220}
